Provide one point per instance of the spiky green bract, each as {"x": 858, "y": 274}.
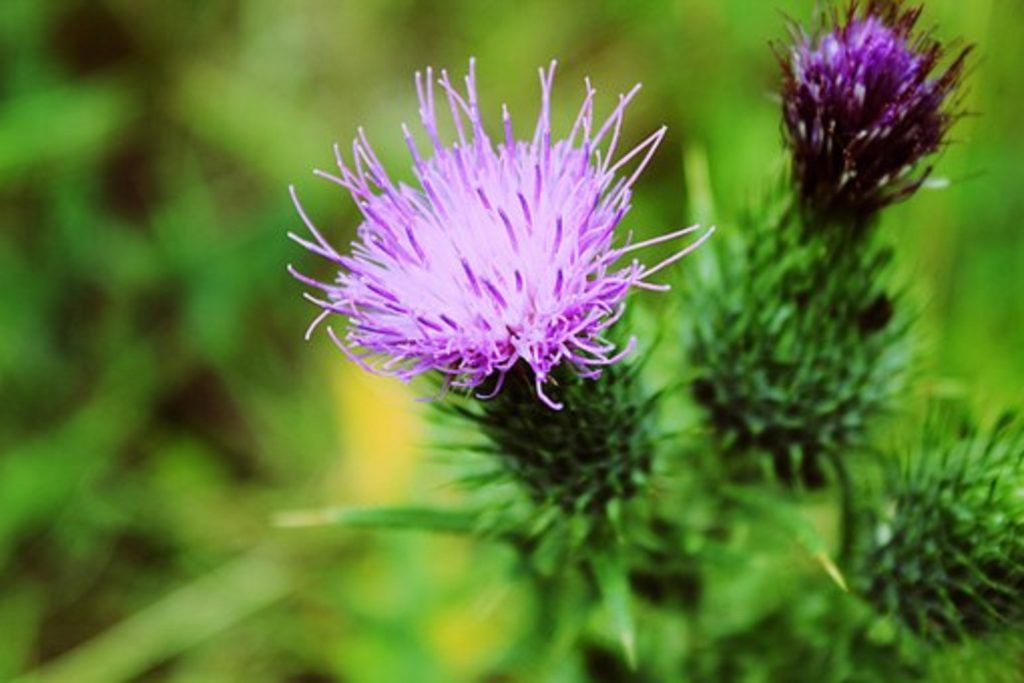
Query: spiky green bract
{"x": 584, "y": 460}
{"x": 799, "y": 346}
{"x": 948, "y": 557}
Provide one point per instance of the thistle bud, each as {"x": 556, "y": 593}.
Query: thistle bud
{"x": 948, "y": 557}
{"x": 864, "y": 101}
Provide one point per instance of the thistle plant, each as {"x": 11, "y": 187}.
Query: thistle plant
{"x": 503, "y": 275}
{"x": 804, "y": 344}
{"x": 946, "y": 556}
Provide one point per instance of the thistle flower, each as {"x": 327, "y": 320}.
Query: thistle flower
{"x": 502, "y": 255}
{"x": 948, "y": 557}
{"x": 863, "y": 102}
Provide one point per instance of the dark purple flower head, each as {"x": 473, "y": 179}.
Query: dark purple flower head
{"x": 503, "y": 253}
{"x": 864, "y": 100}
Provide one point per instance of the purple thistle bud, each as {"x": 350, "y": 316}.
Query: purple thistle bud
{"x": 863, "y": 102}
{"x": 504, "y": 253}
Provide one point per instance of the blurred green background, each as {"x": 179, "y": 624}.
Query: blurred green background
{"x": 158, "y": 404}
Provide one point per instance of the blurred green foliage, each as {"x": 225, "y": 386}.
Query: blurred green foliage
{"x": 158, "y": 405}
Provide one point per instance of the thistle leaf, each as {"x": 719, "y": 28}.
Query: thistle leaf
{"x": 411, "y": 517}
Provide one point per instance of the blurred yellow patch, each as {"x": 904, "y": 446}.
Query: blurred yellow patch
{"x": 381, "y": 430}
{"x": 470, "y": 635}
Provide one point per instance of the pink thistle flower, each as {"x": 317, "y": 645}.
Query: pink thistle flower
{"x": 503, "y": 254}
